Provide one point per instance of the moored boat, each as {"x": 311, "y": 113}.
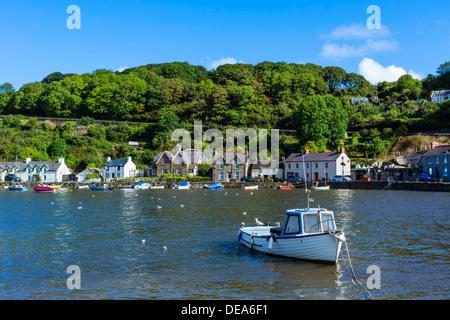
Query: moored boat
{"x": 250, "y": 187}
{"x": 308, "y": 234}
{"x": 182, "y": 186}
{"x": 285, "y": 187}
{"x": 319, "y": 188}
{"x": 103, "y": 188}
{"x": 41, "y": 188}
{"x": 17, "y": 188}
{"x": 142, "y": 185}
{"x": 214, "y": 186}
{"x": 157, "y": 187}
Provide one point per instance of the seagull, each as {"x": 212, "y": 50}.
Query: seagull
{"x": 182, "y": 205}
{"x": 251, "y": 193}
{"x": 174, "y": 196}
{"x": 143, "y": 241}
{"x": 159, "y": 207}
{"x": 244, "y": 213}
{"x": 242, "y": 224}
{"x": 80, "y": 207}
{"x": 93, "y": 196}
{"x": 165, "y": 248}
{"x": 52, "y": 203}
{"x": 259, "y": 223}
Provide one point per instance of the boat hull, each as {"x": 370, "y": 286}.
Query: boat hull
{"x": 96, "y": 188}
{"x": 157, "y": 187}
{"x": 249, "y": 187}
{"x": 17, "y": 189}
{"x": 322, "y": 247}
{"x": 44, "y": 189}
{"x": 321, "y": 188}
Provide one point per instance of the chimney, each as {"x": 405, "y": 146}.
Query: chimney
{"x": 108, "y": 159}
{"x": 60, "y": 160}
{"x": 434, "y": 144}
{"x": 342, "y": 149}
{"x": 129, "y": 158}
{"x": 27, "y": 160}
{"x": 306, "y": 151}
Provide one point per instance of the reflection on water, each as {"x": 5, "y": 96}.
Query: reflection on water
{"x": 190, "y": 249}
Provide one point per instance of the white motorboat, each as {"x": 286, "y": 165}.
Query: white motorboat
{"x": 157, "y": 187}
{"x": 320, "y": 188}
{"x": 308, "y": 234}
{"x": 250, "y": 187}
{"x": 182, "y": 186}
{"x": 142, "y": 185}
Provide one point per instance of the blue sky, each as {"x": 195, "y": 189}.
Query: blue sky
{"x": 35, "y": 41}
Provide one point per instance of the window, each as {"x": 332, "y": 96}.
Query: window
{"x": 179, "y": 171}
{"x": 326, "y": 165}
{"x": 429, "y": 159}
{"x": 307, "y": 165}
{"x": 236, "y": 165}
{"x": 327, "y": 222}
{"x": 445, "y": 172}
{"x": 221, "y": 165}
{"x": 289, "y": 165}
{"x": 430, "y": 171}
{"x": 221, "y": 176}
{"x": 236, "y": 175}
{"x": 296, "y": 166}
{"x": 292, "y": 225}
{"x": 165, "y": 161}
{"x": 164, "y": 171}
{"x": 437, "y": 160}
{"x": 311, "y": 222}
{"x": 316, "y": 165}
{"x": 445, "y": 158}
{"x": 307, "y": 176}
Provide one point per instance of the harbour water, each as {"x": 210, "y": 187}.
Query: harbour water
{"x": 191, "y": 250}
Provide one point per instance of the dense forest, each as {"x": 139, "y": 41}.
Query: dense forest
{"x": 154, "y": 99}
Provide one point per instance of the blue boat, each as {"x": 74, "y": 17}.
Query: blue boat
{"x": 104, "y": 188}
{"x": 182, "y": 186}
{"x": 214, "y": 186}
{"x": 17, "y": 188}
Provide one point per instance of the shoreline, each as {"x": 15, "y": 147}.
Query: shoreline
{"x": 360, "y": 185}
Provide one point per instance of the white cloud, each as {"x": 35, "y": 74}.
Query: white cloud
{"x": 356, "y": 31}
{"x": 121, "y": 68}
{"x": 375, "y": 72}
{"x": 216, "y": 63}
{"x": 359, "y": 41}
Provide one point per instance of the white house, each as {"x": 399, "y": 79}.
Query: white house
{"x": 440, "y": 96}
{"x": 118, "y": 169}
{"x": 83, "y": 174}
{"x": 318, "y": 166}
{"x": 44, "y": 171}
{"x": 267, "y": 169}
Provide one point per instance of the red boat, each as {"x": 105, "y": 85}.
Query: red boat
{"x": 284, "y": 187}
{"x": 44, "y": 189}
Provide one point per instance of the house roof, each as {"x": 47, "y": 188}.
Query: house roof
{"x": 442, "y": 93}
{"x": 92, "y": 171}
{"x": 115, "y": 163}
{"x": 189, "y": 156}
{"x": 308, "y": 157}
{"x": 21, "y": 166}
{"x": 229, "y": 158}
{"x": 438, "y": 150}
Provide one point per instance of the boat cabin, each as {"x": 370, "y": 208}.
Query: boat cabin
{"x": 306, "y": 221}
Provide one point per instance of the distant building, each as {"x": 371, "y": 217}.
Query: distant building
{"x": 118, "y": 169}
{"x": 355, "y": 100}
{"x": 440, "y": 96}
{"x": 179, "y": 162}
{"x": 267, "y": 169}
{"x": 436, "y": 161}
{"x": 318, "y": 166}
{"x": 83, "y": 174}
{"x": 44, "y": 171}
{"x": 229, "y": 166}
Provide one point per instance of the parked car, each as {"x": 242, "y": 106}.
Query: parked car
{"x": 340, "y": 178}
{"x": 11, "y": 177}
{"x": 425, "y": 177}
{"x": 294, "y": 179}
{"x": 249, "y": 179}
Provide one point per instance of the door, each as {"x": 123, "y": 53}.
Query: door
{"x": 316, "y": 176}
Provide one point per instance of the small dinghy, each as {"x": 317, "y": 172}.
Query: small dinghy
{"x": 320, "y": 188}
{"x": 41, "y": 188}
{"x": 157, "y": 187}
{"x": 182, "y": 186}
{"x": 97, "y": 188}
{"x": 285, "y": 187}
{"x": 249, "y": 187}
{"x": 214, "y": 186}
{"x": 17, "y": 188}
{"x": 142, "y": 185}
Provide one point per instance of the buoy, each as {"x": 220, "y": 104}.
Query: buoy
{"x": 269, "y": 246}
